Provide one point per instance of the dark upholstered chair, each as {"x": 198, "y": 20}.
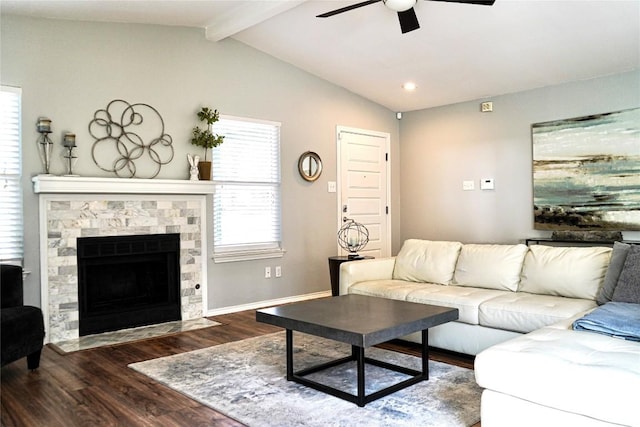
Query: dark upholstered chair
{"x": 21, "y": 326}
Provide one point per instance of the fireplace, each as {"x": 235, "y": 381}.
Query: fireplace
{"x": 127, "y": 281}
{"x": 77, "y": 207}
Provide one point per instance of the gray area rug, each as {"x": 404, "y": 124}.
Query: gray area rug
{"x": 246, "y": 381}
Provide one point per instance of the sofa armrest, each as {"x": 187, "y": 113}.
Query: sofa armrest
{"x": 11, "y": 286}
{"x": 363, "y": 270}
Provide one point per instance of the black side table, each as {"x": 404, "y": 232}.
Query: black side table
{"x": 334, "y": 271}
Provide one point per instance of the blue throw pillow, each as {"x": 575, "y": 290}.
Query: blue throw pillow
{"x": 628, "y": 287}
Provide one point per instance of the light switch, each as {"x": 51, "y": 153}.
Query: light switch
{"x": 468, "y": 185}
{"x": 331, "y": 186}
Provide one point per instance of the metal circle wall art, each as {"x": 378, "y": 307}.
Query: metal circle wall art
{"x": 124, "y": 135}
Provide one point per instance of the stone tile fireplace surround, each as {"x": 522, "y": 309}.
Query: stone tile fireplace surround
{"x": 72, "y": 207}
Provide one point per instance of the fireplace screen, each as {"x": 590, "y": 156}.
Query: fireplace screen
{"x": 128, "y": 281}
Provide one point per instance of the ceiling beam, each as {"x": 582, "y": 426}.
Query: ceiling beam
{"x": 246, "y": 15}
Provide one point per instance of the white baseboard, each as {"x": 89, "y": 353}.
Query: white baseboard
{"x": 268, "y": 303}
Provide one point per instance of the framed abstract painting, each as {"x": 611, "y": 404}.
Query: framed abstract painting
{"x": 586, "y": 172}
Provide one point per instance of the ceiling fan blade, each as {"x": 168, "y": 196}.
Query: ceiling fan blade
{"x": 408, "y": 20}
{"x": 480, "y": 2}
{"x": 348, "y": 8}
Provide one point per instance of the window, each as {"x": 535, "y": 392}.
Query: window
{"x": 246, "y": 204}
{"x": 11, "y": 246}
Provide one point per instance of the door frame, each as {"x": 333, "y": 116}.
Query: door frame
{"x": 386, "y": 247}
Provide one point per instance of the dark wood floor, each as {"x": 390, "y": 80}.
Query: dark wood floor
{"x": 95, "y": 387}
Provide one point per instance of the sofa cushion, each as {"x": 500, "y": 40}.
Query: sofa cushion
{"x": 618, "y": 256}
{"x": 466, "y": 300}
{"x": 427, "y": 261}
{"x": 576, "y": 372}
{"x": 628, "y": 287}
{"x": 524, "y": 312}
{"x": 490, "y": 266}
{"x": 385, "y": 288}
{"x": 574, "y": 272}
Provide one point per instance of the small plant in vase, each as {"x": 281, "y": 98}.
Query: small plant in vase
{"x": 206, "y": 139}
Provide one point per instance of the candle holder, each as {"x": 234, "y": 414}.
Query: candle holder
{"x": 70, "y": 160}
{"x": 45, "y": 145}
{"x": 69, "y": 143}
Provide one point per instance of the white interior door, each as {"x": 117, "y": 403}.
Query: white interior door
{"x": 363, "y": 185}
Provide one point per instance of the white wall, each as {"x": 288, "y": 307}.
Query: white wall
{"x": 441, "y": 147}
{"x": 68, "y": 70}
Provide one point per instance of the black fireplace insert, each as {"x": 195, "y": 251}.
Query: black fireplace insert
{"x": 128, "y": 281}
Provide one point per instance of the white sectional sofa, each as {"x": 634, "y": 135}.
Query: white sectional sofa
{"x": 516, "y": 308}
{"x": 501, "y": 291}
{"x": 556, "y": 376}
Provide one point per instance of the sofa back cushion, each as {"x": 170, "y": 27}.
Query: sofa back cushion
{"x": 490, "y": 266}
{"x": 618, "y": 257}
{"x": 427, "y": 261}
{"x": 574, "y": 272}
{"x": 628, "y": 286}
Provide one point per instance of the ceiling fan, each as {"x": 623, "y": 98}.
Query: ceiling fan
{"x": 406, "y": 14}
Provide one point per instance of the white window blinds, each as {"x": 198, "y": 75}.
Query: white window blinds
{"x": 11, "y": 234}
{"x": 246, "y": 211}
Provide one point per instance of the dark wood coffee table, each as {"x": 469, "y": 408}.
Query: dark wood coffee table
{"x": 361, "y": 321}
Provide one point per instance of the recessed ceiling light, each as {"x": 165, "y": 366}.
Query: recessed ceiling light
{"x": 409, "y": 86}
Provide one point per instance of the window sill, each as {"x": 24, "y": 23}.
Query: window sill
{"x": 248, "y": 255}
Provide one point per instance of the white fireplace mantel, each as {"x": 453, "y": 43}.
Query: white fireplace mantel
{"x": 95, "y": 185}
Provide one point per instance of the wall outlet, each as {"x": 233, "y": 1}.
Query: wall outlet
{"x": 331, "y": 187}
{"x": 468, "y": 185}
{"x": 278, "y": 271}
{"x": 267, "y": 272}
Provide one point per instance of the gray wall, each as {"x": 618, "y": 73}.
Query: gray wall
{"x": 68, "y": 70}
{"x": 443, "y": 146}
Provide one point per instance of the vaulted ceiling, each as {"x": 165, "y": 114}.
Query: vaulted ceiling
{"x": 461, "y": 52}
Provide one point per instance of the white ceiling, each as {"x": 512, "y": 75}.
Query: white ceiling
{"x": 461, "y": 52}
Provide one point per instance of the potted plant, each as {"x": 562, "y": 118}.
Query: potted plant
{"x": 206, "y": 139}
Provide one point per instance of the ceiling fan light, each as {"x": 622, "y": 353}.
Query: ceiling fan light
{"x": 399, "y": 5}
